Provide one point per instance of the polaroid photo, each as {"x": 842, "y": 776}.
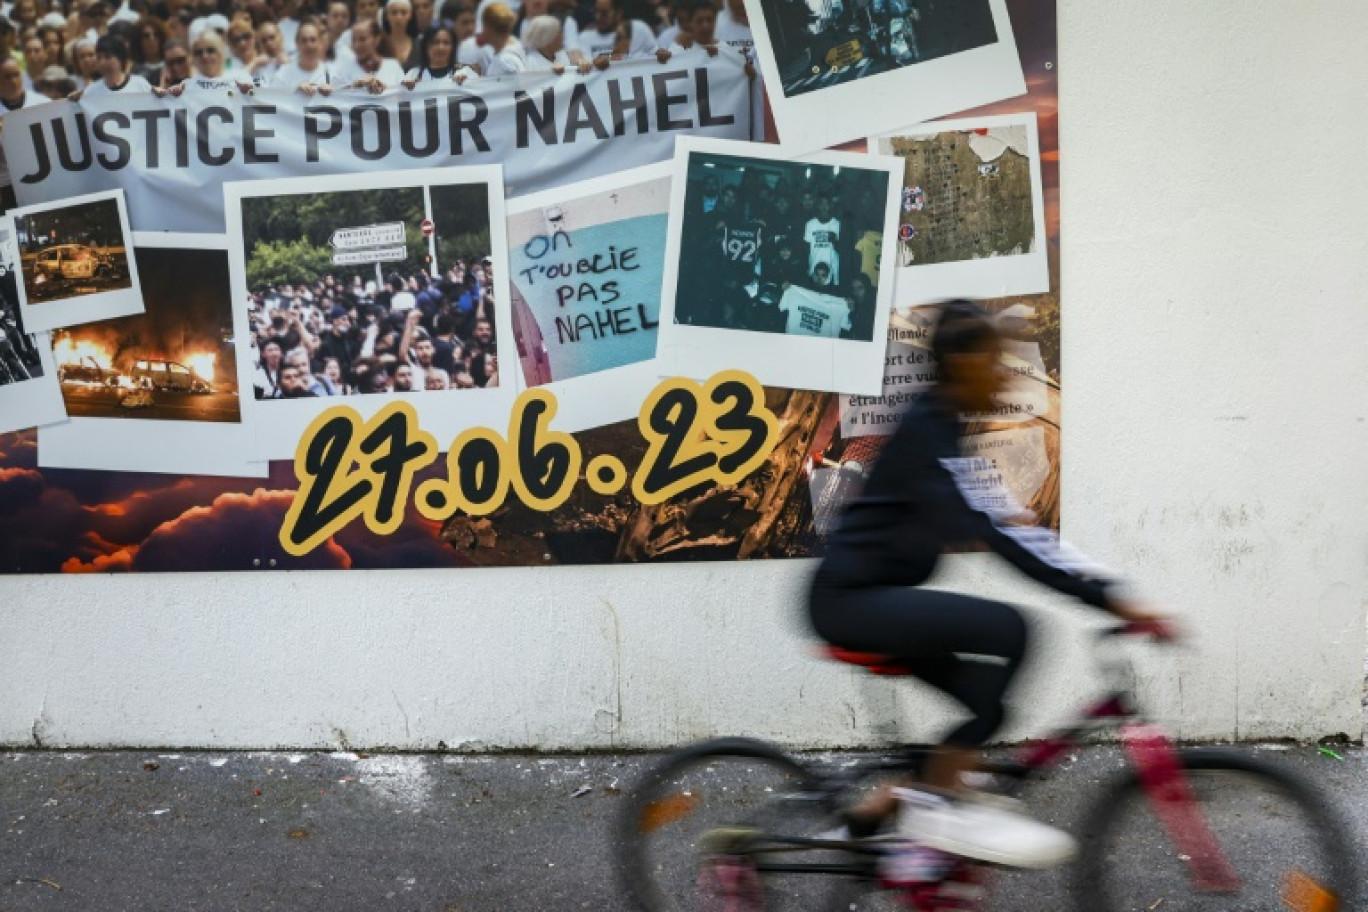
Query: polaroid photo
{"x": 586, "y": 266}
{"x": 841, "y": 70}
{"x": 773, "y": 265}
{"x": 157, "y": 391}
{"x": 29, "y": 396}
{"x": 354, "y": 289}
{"x": 75, "y": 265}
{"x": 971, "y": 221}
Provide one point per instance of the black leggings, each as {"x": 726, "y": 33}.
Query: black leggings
{"x": 968, "y": 647}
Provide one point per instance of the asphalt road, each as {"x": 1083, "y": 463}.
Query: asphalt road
{"x": 88, "y": 401}
{"x": 441, "y": 832}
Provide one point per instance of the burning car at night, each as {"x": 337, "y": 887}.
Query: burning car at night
{"x": 76, "y": 261}
{"x": 85, "y": 369}
{"x": 170, "y": 376}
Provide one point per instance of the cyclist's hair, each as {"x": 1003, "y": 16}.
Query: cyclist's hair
{"x": 962, "y": 328}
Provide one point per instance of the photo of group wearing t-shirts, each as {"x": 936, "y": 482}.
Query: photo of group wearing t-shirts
{"x": 780, "y": 247}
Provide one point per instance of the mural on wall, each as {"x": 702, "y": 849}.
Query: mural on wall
{"x": 559, "y": 307}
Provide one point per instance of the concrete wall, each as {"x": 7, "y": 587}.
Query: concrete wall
{"x": 1215, "y": 267}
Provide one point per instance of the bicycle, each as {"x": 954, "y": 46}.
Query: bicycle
{"x": 692, "y": 836}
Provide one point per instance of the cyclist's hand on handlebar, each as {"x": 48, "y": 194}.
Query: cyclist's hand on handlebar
{"x": 1141, "y": 620}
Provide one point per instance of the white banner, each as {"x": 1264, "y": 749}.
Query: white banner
{"x": 545, "y": 130}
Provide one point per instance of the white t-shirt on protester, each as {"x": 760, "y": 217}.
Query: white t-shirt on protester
{"x": 538, "y": 63}
{"x": 512, "y": 59}
{"x": 131, "y": 85}
{"x": 594, "y": 43}
{"x": 821, "y": 238}
{"x": 734, "y": 34}
{"x": 288, "y": 29}
{"x": 474, "y": 53}
{"x": 219, "y": 84}
{"x": 292, "y": 75}
{"x": 812, "y": 313}
{"x": 425, "y": 76}
{"x": 349, "y": 71}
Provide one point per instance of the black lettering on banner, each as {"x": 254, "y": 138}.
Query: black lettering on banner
{"x": 637, "y": 103}
{"x": 358, "y": 132}
{"x": 202, "y": 136}
{"x": 59, "y": 132}
{"x": 740, "y": 418}
{"x": 548, "y": 462}
{"x": 40, "y": 149}
{"x": 251, "y": 133}
{"x": 664, "y": 101}
{"x": 181, "y": 121}
{"x": 583, "y": 114}
{"x": 704, "y": 95}
{"x": 402, "y": 458}
{"x": 542, "y": 119}
{"x": 314, "y": 131}
{"x": 672, "y": 426}
{"x": 123, "y": 151}
{"x": 321, "y": 506}
{"x": 458, "y": 124}
{"x": 151, "y": 146}
{"x": 432, "y": 133}
{"x": 480, "y": 476}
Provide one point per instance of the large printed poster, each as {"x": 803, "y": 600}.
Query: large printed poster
{"x": 165, "y": 462}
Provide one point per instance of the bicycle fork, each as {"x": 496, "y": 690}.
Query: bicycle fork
{"x": 1161, "y": 774}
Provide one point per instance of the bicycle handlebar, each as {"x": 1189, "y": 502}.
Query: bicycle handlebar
{"x": 1160, "y": 631}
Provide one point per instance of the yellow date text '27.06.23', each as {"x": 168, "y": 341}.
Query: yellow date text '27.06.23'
{"x": 349, "y": 467}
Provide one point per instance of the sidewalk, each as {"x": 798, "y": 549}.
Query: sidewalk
{"x": 440, "y": 833}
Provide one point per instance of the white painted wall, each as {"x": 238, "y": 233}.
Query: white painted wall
{"x": 1216, "y": 294}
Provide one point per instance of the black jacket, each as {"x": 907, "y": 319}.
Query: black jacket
{"x": 912, "y": 508}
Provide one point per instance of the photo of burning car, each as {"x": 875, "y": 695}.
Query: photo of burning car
{"x": 174, "y": 362}
{"x": 72, "y": 251}
{"x": 77, "y": 261}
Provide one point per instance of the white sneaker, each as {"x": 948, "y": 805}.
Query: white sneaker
{"x": 985, "y": 830}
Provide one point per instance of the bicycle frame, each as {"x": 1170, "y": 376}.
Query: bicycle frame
{"x": 1151, "y": 751}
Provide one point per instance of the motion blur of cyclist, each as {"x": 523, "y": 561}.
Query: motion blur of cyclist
{"x": 866, "y": 597}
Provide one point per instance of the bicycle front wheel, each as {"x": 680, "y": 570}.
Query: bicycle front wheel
{"x": 1266, "y": 840}
{"x": 710, "y": 829}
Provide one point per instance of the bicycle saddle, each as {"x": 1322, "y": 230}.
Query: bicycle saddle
{"x": 873, "y": 662}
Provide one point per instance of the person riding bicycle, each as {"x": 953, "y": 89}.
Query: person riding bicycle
{"x": 867, "y": 597}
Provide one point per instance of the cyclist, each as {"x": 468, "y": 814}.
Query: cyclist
{"x": 866, "y": 597}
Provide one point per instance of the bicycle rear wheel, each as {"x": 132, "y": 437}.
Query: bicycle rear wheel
{"x": 1285, "y": 845}
{"x": 705, "y": 830}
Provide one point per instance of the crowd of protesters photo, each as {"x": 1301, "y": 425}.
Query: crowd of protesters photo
{"x": 340, "y": 337}
{"x": 62, "y": 50}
